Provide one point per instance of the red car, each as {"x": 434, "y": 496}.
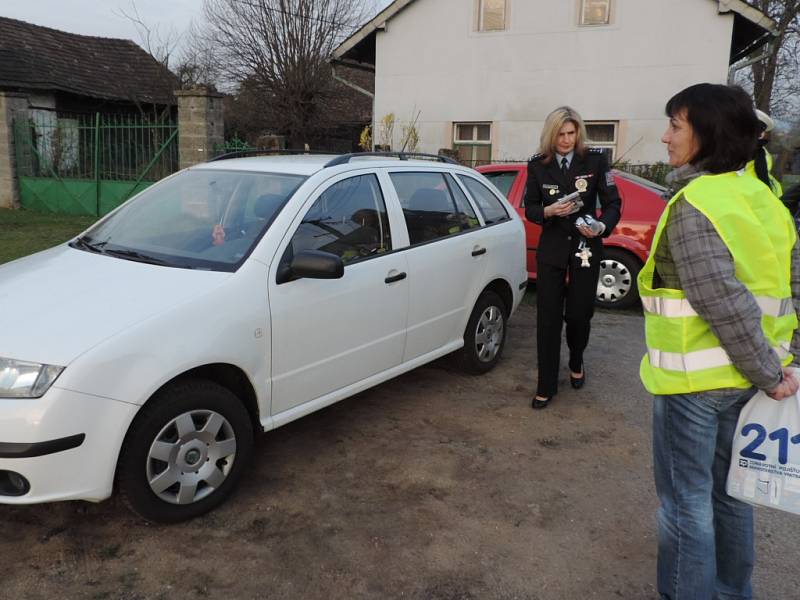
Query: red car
{"x": 626, "y": 248}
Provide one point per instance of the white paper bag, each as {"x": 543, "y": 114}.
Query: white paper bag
{"x": 765, "y": 460}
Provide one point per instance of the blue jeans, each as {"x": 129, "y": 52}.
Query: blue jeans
{"x": 705, "y": 537}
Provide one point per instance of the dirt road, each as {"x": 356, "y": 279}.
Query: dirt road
{"x": 433, "y": 486}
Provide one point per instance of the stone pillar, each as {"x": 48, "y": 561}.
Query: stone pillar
{"x": 200, "y": 125}
{"x": 11, "y": 105}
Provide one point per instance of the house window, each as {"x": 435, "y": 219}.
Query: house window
{"x": 595, "y": 12}
{"x": 491, "y": 15}
{"x": 603, "y": 135}
{"x": 473, "y": 143}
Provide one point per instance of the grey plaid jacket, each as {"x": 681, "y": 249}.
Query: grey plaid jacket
{"x": 692, "y": 257}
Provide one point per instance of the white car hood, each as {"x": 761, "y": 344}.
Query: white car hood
{"x": 57, "y": 304}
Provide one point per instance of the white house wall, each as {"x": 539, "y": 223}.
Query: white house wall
{"x": 430, "y": 58}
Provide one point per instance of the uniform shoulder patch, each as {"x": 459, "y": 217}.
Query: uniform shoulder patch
{"x": 536, "y": 157}
{"x": 597, "y": 150}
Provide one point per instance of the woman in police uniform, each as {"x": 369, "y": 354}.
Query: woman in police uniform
{"x": 569, "y": 254}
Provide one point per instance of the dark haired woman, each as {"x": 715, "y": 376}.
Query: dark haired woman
{"x": 570, "y": 249}
{"x": 719, "y": 324}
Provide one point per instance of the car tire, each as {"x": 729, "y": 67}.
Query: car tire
{"x": 185, "y": 451}
{"x": 616, "y": 286}
{"x": 485, "y": 335}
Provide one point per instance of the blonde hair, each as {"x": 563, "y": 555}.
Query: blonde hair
{"x": 553, "y": 124}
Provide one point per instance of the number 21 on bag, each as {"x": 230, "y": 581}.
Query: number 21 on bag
{"x": 781, "y": 436}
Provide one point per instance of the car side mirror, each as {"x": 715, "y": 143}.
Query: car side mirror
{"x": 312, "y": 264}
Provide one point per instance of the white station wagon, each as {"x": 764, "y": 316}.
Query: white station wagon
{"x": 236, "y": 296}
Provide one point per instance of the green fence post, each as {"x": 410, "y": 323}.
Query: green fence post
{"x": 97, "y": 162}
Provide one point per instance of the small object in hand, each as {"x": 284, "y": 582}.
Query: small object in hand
{"x": 573, "y": 200}
{"x": 592, "y": 224}
{"x": 584, "y": 253}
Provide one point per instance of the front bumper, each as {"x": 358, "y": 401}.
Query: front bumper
{"x": 65, "y": 444}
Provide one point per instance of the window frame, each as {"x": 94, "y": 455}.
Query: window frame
{"x": 583, "y": 5}
{"x": 598, "y": 144}
{"x": 473, "y": 143}
{"x": 480, "y": 17}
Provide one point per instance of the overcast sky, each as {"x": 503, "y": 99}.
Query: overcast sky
{"x": 104, "y": 18}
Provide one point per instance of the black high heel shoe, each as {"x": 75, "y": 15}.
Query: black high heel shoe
{"x": 538, "y": 403}
{"x": 578, "y": 382}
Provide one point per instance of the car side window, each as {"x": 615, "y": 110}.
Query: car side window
{"x": 490, "y": 206}
{"x": 349, "y": 220}
{"x": 429, "y": 208}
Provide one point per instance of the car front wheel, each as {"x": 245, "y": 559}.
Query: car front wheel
{"x": 485, "y": 335}
{"x": 616, "y": 286}
{"x": 184, "y": 452}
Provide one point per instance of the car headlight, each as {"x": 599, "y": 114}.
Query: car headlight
{"x": 22, "y": 379}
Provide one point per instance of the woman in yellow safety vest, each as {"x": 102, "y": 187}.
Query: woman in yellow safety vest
{"x": 720, "y": 323}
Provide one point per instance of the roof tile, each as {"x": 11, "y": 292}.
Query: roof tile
{"x": 35, "y": 57}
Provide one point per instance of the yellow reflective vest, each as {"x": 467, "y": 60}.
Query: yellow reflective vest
{"x": 683, "y": 354}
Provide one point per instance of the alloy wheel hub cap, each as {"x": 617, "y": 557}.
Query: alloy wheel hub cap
{"x": 489, "y": 334}
{"x": 615, "y": 281}
{"x": 191, "y": 457}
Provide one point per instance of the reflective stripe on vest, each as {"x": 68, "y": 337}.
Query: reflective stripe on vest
{"x": 700, "y": 359}
{"x": 680, "y": 307}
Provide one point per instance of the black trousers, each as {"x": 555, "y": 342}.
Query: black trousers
{"x": 563, "y": 294}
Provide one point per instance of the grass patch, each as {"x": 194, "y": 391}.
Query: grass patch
{"x": 24, "y": 232}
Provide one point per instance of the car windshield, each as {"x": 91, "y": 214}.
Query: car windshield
{"x": 206, "y": 219}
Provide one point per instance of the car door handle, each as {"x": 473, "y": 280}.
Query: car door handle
{"x": 478, "y": 251}
{"x": 393, "y": 278}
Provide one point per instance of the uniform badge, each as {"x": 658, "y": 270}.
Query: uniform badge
{"x": 553, "y": 189}
{"x": 581, "y": 185}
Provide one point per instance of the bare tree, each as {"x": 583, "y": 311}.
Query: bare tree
{"x": 197, "y": 63}
{"x": 281, "y": 48}
{"x": 775, "y": 79}
{"x": 157, "y": 42}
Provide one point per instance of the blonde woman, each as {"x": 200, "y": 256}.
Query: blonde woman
{"x": 564, "y": 181}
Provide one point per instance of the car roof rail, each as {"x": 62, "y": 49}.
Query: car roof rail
{"x": 345, "y": 158}
{"x": 265, "y": 152}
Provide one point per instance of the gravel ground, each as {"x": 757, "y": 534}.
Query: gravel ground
{"x": 436, "y": 485}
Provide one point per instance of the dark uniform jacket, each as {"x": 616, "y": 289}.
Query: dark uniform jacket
{"x": 588, "y": 174}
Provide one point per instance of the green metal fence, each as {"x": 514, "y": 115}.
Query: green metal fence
{"x": 90, "y": 164}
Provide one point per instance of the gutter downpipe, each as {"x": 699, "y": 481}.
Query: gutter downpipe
{"x": 360, "y": 90}
{"x": 350, "y": 84}
{"x": 744, "y": 64}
